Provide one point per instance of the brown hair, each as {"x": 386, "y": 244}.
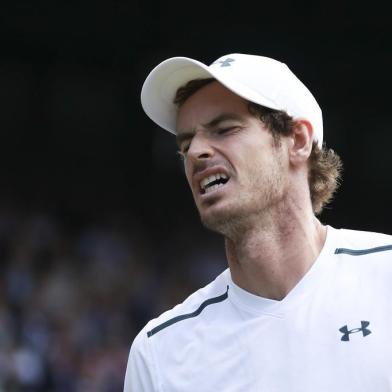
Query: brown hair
{"x": 325, "y": 166}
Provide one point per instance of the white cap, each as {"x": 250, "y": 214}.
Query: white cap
{"x": 258, "y": 79}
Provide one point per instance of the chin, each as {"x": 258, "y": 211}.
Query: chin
{"x": 223, "y": 222}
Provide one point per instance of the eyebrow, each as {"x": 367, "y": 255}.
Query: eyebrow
{"x": 213, "y": 123}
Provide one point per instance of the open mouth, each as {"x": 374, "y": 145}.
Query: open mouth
{"x": 213, "y": 182}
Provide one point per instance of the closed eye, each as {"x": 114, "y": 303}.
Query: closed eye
{"x": 182, "y": 150}
{"x": 183, "y": 140}
{"x": 223, "y": 131}
{"x": 181, "y": 155}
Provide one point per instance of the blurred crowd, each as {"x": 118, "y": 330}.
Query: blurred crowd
{"x": 73, "y": 299}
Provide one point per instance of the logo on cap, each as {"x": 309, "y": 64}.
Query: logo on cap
{"x": 225, "y": 63}
{"x": 346, "y": 333}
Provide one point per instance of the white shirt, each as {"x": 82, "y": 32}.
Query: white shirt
{"x": 332, "y": 332}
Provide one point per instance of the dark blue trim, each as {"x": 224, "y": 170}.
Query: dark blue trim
{"x": 359, "y": 252}
{"x": 174, "y": 320}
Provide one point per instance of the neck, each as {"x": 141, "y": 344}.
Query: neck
{"x": 270, "y": 259}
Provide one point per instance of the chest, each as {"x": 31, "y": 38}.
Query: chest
{"x": 324, "y": 345}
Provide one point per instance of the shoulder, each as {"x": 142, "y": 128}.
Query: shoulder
{"x": 192, "y": 307}
{"x": 142, "y": 372}
{"x": 356, "y": 242}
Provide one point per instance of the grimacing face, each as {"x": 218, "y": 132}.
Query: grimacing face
{"x": 235, "y": 170}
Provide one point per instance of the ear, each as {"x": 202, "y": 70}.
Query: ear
{"x": 301, "y": 141}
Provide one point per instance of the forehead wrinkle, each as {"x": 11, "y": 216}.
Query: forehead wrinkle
{"x": 183, "y": 135}
{"x": 221, "y": 118}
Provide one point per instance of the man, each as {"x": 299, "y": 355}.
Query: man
{"x": 302, "y": 306}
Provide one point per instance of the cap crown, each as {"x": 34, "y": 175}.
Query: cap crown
{"x": 259, "y": 79}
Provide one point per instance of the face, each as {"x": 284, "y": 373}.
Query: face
{"x": 236, "y": 171}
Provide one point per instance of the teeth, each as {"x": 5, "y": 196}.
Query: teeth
{"x": 213, "y": 187}
{"x": 204, "y": 183}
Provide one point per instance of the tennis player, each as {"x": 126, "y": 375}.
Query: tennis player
{"x": 302, "y": 306}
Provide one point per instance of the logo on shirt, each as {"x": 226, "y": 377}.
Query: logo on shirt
{"x": 225, "y": 63}
{"x": 346, "y": 332}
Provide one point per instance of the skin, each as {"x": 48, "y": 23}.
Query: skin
{"x": 264, "y": 211}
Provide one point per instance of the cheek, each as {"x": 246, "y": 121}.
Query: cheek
{"x": 187, "y": 170}
{"x": 251, "y": 160}
{"x": 259, "y": 165}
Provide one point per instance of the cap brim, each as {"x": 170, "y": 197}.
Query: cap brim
{"x": 161, "y": 85}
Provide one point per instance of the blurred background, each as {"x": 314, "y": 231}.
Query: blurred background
{"x": 98, "y": 232}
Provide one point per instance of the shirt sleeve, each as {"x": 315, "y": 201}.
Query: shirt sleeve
{"x": 140, "y": 375}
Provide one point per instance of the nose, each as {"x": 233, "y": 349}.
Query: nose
{"x": 200, "y": 148}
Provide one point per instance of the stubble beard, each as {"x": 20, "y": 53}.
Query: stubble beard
{"x": 254, "y": 205}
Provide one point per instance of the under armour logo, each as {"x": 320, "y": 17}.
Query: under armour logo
{"x": 225, "y": 63}
{"x": 346, "y": 333}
